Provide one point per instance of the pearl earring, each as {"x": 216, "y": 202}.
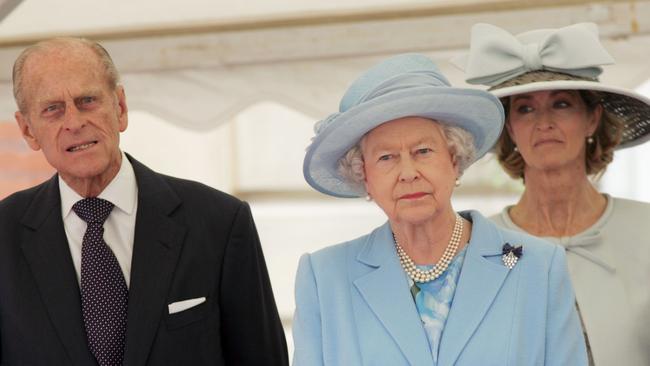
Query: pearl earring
{"x": 368, "y": 197}
{"x": 590, "y": 140}
{"x": 457, "y": 182}
{"x": 515, "y": 149}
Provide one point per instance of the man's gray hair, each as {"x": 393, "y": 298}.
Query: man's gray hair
{"x": 460, "y": 145}
{"x": 112, "y": 76}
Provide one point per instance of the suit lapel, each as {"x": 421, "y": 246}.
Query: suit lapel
{"x": 157, "y": 245}
{"x": 385, "y": 290}
{"x": 47, "y": 253}
{"x": 479, "y": 283}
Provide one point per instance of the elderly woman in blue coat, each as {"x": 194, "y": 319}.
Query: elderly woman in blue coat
{"x": 430, "y": 286}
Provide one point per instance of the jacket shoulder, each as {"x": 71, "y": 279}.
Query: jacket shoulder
{"x": 186, "y": 188}
{"x": 631, "y": 208}
{"x": 18, "y": 202}
{"x": 336, "y": 254}
{"x": 190, "y": 192}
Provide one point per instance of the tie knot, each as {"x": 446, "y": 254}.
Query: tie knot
{"x": 95, "y": 210}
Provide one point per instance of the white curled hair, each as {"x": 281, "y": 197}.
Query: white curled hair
{"x": 460, "y": 145}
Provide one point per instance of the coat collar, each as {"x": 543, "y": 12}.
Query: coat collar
{"x": 158, "y": 240}
{"x": 47, "y": 254}
{"x": 385, "y": 290}
{"x": 479, "y": 283}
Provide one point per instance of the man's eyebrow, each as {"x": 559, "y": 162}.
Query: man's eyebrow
{"x": 47, "y": 101}
{"x": 93, "y": 92}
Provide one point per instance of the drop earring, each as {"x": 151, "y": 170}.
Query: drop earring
{"x": 457, "y": 184}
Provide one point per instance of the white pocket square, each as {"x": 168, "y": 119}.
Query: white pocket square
{"x": 179, "y": 306}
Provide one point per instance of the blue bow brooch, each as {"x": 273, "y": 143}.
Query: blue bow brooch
{"x": 510, "y": 255}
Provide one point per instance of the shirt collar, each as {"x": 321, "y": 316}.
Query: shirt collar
{"x": 122, "y": 191}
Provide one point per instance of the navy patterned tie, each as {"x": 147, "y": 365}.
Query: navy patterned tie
{"x": 104, "y": 294}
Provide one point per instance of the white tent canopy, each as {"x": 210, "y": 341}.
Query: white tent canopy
{"x": 199, "y": 63}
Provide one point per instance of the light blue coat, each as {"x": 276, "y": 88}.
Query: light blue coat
{"x": 353, "y": 306}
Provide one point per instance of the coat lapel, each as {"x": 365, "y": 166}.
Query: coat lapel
{"x": 479, "y": 283}
{"x": 47, "y": 253}
{"x": 385, "y": 290}
{"x": 157, "y": 245}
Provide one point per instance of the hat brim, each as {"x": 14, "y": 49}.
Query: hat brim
{"x": 475, "y": 111}
{"x": 638, "y": 129}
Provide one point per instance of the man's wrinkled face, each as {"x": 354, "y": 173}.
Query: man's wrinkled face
{"x": 72, "y": 113}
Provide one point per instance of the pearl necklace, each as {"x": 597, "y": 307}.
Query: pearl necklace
{"x": 439, "y": 268}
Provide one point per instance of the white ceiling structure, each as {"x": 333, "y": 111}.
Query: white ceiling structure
{"x": 202, "y": 62}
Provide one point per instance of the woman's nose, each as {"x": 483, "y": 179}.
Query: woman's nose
{"x": 408, "y": 170}
{"x": 545, "y": 120}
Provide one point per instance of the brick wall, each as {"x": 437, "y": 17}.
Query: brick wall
{"x": 20, "y": 166}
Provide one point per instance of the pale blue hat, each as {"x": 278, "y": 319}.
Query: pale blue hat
{"x": 406, "y": 85}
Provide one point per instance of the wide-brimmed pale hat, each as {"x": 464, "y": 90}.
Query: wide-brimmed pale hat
{"x": 408, "y": 85}
{"x": 568, "y": 58}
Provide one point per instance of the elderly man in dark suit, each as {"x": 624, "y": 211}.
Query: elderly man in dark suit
{"x": 110, "y": 263}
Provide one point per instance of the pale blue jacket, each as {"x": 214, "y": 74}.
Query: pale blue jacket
{"x": 353, "y": 306}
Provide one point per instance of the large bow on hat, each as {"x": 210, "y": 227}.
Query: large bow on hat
{"x": 496, "y": 55}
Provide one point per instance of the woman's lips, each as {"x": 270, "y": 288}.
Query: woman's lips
{"x": 547, "y": 141}
{"x": 412, "y": 196}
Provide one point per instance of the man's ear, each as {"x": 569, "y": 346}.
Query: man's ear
{"x": 123, "y": 110}
{"x": 27, "y": 131}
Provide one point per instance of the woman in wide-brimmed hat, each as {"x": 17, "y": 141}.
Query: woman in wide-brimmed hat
{"x": 430, "y": 286}
{"x": 562, "y": 126}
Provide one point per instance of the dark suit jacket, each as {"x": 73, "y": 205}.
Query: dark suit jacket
{"x": 190, "y": 241}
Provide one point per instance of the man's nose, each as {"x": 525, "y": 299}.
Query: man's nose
{"x": 73, "y": 119}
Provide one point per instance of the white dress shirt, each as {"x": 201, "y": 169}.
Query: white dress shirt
{"x": 119, "y": 228}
